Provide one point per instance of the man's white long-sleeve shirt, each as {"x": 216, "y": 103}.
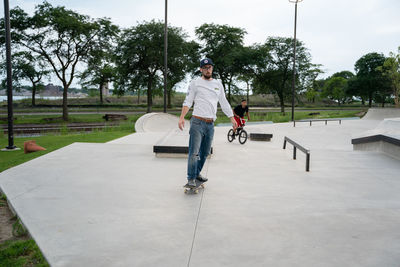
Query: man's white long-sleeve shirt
{"x": 206, "y": 94}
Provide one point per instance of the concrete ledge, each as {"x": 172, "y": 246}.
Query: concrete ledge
{"x": 174, "y": 144}
{"x": 260, "y": 137}
{"x": 173, "y": 149}
{"x": 379, "y": 142}
{"x": 376, "y": 138}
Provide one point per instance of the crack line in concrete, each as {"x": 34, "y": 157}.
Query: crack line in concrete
{"x": 195, "y": 229}
{"x": 197, "y": 220}
{"x": 26, "y": 192}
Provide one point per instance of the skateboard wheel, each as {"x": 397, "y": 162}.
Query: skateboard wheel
{"x": 186, "y": 191}
{"x": 196, "y": 191}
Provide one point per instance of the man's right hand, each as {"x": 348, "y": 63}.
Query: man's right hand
{"x": 234, "y": 123}
{"x": 181, "y": 123}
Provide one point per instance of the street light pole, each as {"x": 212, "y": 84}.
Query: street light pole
{"x": 165, "y": 56}
{"x": 294, "y": 54}
{"x": 11, "y": 145}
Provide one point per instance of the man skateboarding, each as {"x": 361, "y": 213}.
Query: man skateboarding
{"x": 205, "y": 92}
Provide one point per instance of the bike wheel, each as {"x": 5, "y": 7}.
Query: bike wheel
{"x": 231, "y": 135}
{"x": 242, "y": 137}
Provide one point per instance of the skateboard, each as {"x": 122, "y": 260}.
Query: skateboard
{"x": 193, "y": 190}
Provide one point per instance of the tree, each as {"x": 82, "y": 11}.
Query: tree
{"x": 60, "y": 36}
{"x": 224, "y": 45}
{"x": 370, "y": 81}
{"x": 348, "y": 76}
{"x": 100, "y": 69}
{"x": 391, "y": 70}
{"x": 247, "y": 79}
{"x": 248, "y": 57}
{"x": 274, "y": 69}
{"x": 28, "y": 67}
{"x": 335, "y": 88}
{"x": 140, "y": 58}
{"x": 344, "y": 74}
{"x": 310, "y": 83}
{"x": 183, "y": 58}
{"x": 311, "y": 94}
{"x": 354, "y": 89}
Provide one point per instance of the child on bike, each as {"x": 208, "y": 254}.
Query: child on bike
{"x": 239, "y": 111}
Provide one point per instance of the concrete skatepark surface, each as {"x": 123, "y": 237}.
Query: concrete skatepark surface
{"x": 116, "y": 204}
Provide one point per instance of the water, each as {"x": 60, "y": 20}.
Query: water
{"x": 19, "y": 97}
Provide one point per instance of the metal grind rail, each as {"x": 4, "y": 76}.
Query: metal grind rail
{"x": 314, "y": 120}
{"x": 301, "y": 148}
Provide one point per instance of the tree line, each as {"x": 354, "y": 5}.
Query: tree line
{"x": 376, "y": 79}
{"x": 56, "y": 40}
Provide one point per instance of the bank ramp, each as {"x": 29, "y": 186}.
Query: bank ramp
{"x": 382, "y": 113}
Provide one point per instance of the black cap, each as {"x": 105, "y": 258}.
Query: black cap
{"x": 206, "y": 61}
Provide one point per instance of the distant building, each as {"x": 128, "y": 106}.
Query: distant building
{"x": 20, "y": 92}
{"x": 52, "y": 90}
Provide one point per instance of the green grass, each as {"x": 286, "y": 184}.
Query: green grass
{"x": 21, "y": 253}
{"x": 3, "y": 200}
{"x": 53, "y": 142}
{"x": 18, "y": 229}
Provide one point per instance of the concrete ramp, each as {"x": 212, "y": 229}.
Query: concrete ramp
{"x": 382, "y": 113}
{"x": 157, "y": 122}
{"x": 173, "y": 141}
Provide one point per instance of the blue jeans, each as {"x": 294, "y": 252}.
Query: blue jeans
{"x": 201, "y": 136}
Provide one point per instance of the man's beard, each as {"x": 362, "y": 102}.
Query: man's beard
{"x": 207, "y": 77}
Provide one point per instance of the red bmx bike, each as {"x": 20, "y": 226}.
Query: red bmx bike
{"x": 240, "y": 132}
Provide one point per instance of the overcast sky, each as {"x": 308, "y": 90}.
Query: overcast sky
{"x": 337, "y": 32}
